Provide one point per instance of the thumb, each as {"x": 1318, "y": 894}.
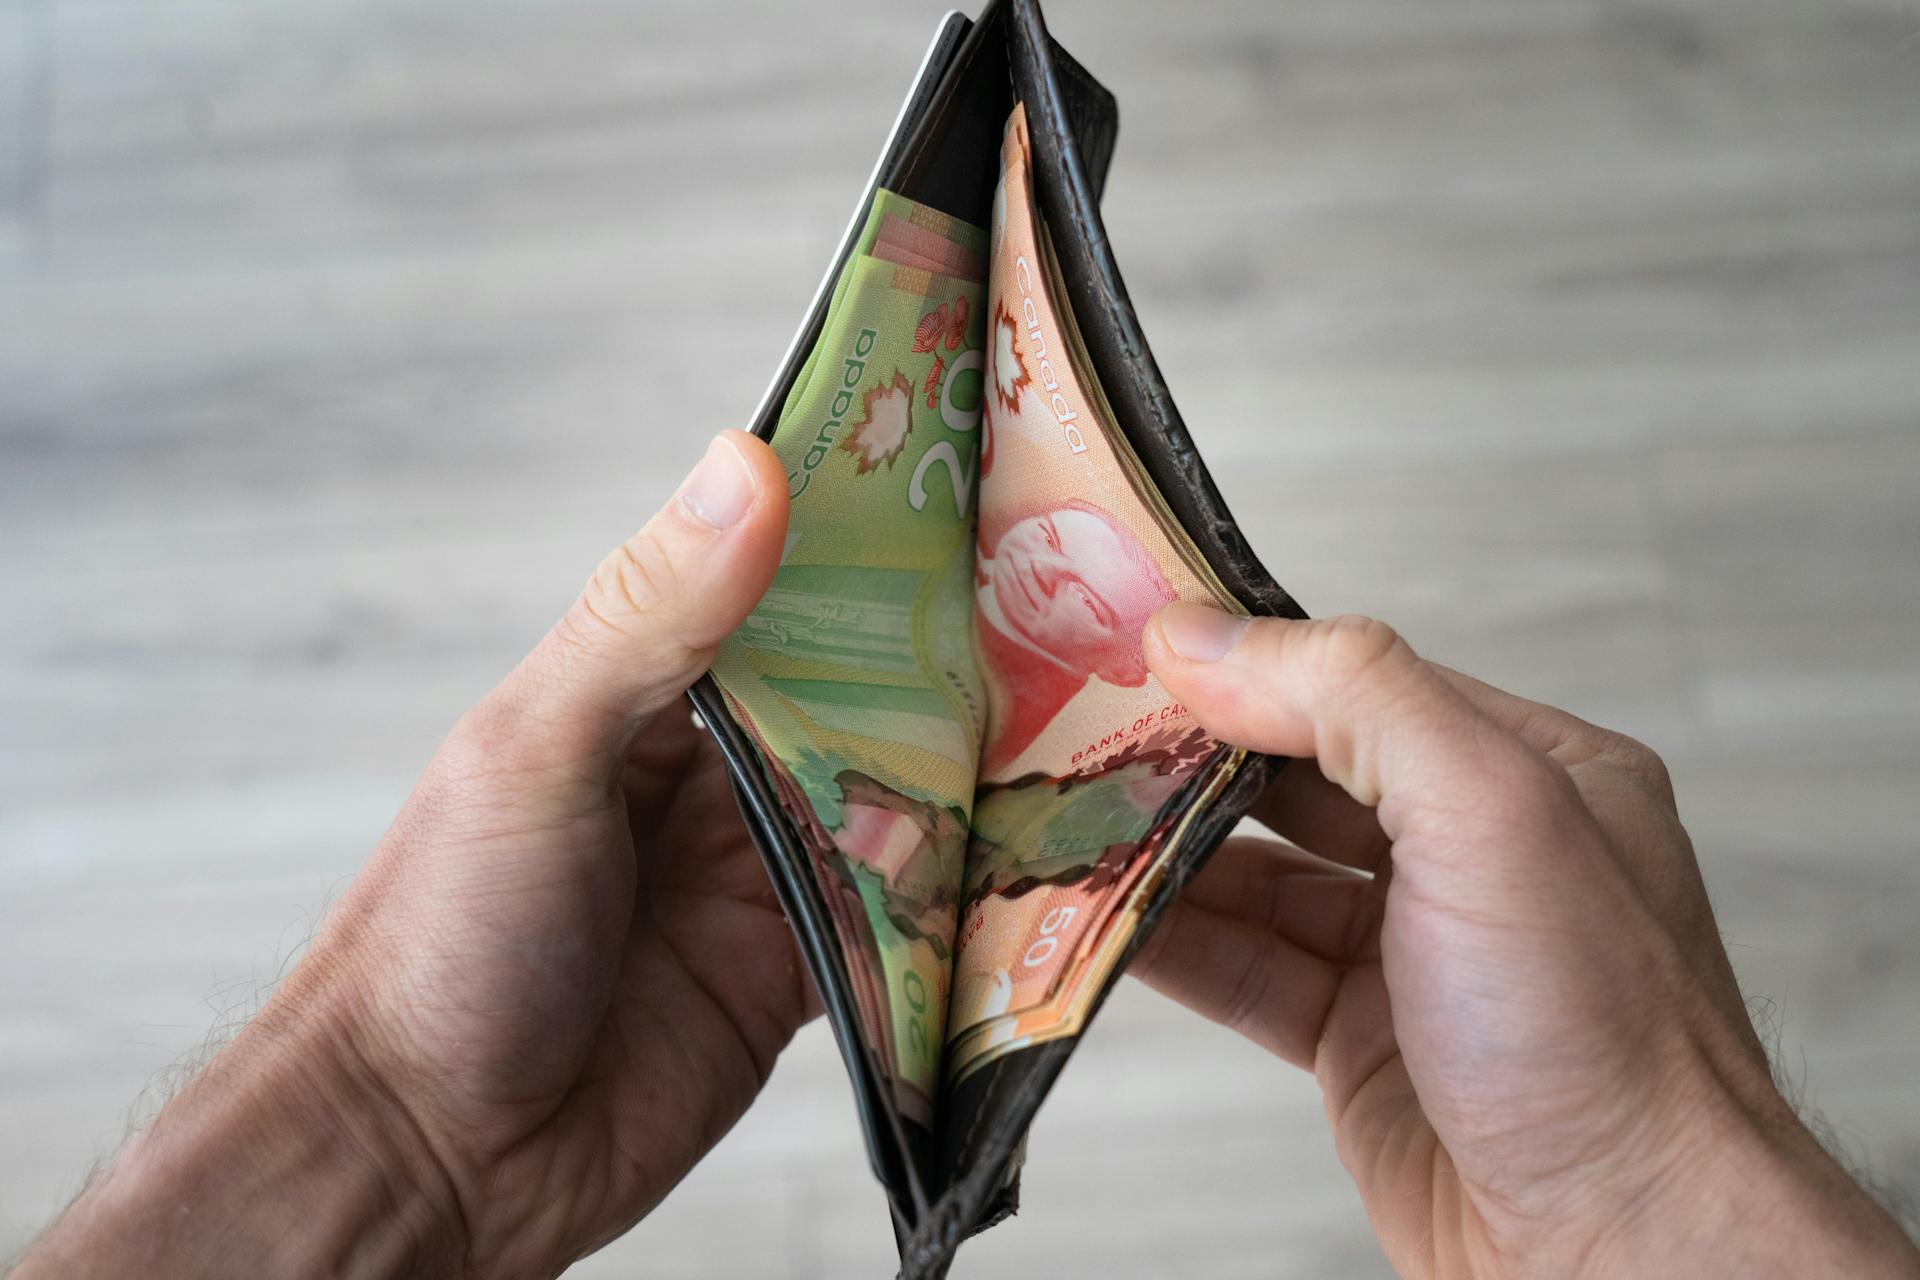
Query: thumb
{"x": 649, "y": 620}
{"x": 1382, "y": 724}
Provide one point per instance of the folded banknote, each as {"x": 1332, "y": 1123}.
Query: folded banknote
{"x": 973, "y": 796}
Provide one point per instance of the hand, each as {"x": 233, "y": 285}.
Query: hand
{"x": 559, "y": 981}
{"x": 1535, "y": 1058}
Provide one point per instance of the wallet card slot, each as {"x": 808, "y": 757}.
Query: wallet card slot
{"x": 952, "y": 159}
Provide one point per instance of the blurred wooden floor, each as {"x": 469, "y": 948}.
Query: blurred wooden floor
{"x": 1580, "y": 338}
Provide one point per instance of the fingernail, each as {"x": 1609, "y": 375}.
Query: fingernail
{"x": 1200, "y": 634}
{"x": 720, "y": 489}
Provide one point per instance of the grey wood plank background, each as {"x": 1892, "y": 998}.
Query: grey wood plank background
{"x": 1580, "y": 338}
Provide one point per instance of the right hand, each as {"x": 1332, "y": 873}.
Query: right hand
{"x": 1535, "y": 1058}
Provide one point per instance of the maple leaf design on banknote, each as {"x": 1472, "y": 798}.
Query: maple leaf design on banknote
{"x": 1169, "y": 751}
{"x": 1006, "y": 371}
{"x": 881, "y": 435}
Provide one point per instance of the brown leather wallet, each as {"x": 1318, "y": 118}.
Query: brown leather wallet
{"x": 963, "y": 1176}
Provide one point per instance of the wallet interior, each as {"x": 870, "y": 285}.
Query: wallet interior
{"x": 961, "y": 1175}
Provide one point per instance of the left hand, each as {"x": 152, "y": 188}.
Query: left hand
{"x": 559, "y": 981}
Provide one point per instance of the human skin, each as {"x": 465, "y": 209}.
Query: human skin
{"x": 563, "y": 975}
{"x": 1534, "y": 1056}
{"x": 559, "y": 980}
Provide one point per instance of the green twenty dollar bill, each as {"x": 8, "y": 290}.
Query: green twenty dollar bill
{"x": 856, "y": 673}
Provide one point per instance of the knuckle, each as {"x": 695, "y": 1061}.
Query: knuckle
{"x": 640, "y": 575}
{"x": 1354, "y": 650}
{"x": 1638, "y": 761}
{"x": 637, "y": 580}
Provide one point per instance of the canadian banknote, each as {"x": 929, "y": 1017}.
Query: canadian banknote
{"x": 856, "y": 674}
{"x": 1083, "y": 749}
{"x": 945, "y": 680}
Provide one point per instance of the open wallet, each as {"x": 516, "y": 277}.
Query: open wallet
{"x": 973, "y": 798}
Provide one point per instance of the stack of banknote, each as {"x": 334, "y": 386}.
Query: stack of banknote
{"x": 946, "y": 680}
{"x": 856, "y": 673}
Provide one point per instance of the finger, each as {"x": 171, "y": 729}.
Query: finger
{"x": 1578, "y": 745}
{"x": 1540, "y": 726}
{"x": 648, "y": 622}
{"x": 1447, "y": 781}
{"x": 1310, "y": 902}
{"x": 1625, "y": 786}
{"x": 1242, "y": 976}
{"x": 1301, "y": 805}
{"x": 1627, "y": 789}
